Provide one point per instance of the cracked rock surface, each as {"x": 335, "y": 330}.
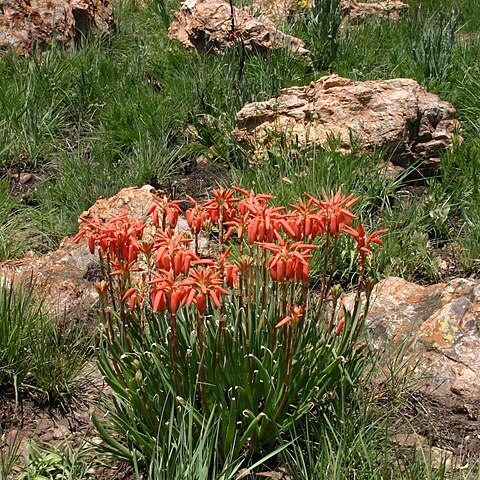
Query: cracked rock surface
{"x": 25, "y": 24}
{"x": 352, "y": 11}
{"x": 206, "y": 25}
{"x": 397, "y": 114}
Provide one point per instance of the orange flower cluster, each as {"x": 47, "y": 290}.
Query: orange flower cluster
{"x": 271, "y": 238}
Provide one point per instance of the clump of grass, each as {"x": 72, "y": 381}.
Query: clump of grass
{"x": 321, "y": 25}
{"x": 37, "y": 354}
{"x": 432, "y": 48}
{"x": 63, "y": 461}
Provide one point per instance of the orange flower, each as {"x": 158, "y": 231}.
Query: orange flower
{"x": 119, "y": 236}
{"x": 168, "y": 291}
{"x": 231, "y": 275}
{"x": 204, "y": 283}
{"x": 240, "y": 225}
{"x": 196, "y": 216}
{"x": 251, "y": 199}
{"x": 222, "y": 204}
{"x": 290, "y": 261}
{"x": 334, "y": 213}
{"x": 363, "y": 242}
{"x": 296, "y": 313}
{"x": 263, "y": 224}
{"x": 166, "y": 209}
{"x": 340, "y": 326}
{"x": 134, "y": 296}
{"x": 304, "y": 221}
{"x": 172, "y": 253}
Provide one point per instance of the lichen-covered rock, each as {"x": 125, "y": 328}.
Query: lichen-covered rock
{"x": 397, "y": 114}
{"x": 206, "y": 25}
{"x": 440, "y": 325}
{"x": 25, "y": 24}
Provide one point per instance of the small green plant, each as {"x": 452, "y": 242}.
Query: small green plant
{"x": 322, "y": 26}
{"x": 9, "y": 455}
{"x": 234, "y": 333}
{"x": 60, "y": 356}
{"x": 62, "y": 462}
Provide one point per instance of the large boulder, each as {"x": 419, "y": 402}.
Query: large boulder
{"x": 25, "y": 24}
{"x": 397, "y": 114}
{"x": 206, "y": 25}
{"x": 438, "y": 327}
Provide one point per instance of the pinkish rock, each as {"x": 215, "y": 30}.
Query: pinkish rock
{"x": 441, "y": 327}
{"x": 207, "y": 25}
{"x": 397, "y": 114}
{"x": 27, "y": 23}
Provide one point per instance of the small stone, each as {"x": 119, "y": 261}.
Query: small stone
{"x": 25, "y": 177}
{"x": 440, "y": 457}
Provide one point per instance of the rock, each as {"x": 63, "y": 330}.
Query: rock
{"x": 441, "y": 327}
{"x": 25, "y": 24}
{"x": 354, "y": 12}
{"x": 397, "y": 114}
{"x": 25, "y": 177}
{"x": 69, "y": 273}
{"x": 206, "y": 25}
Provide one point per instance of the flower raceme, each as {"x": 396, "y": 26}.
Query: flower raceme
{"x": 202, "y": 284}
{"x": 280, "y": 243}
{"x": 165, "y": 209}
{"x": 289, "y": 261}
{"x": 334, "y": 211}
{"x": 364, "y": 241}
